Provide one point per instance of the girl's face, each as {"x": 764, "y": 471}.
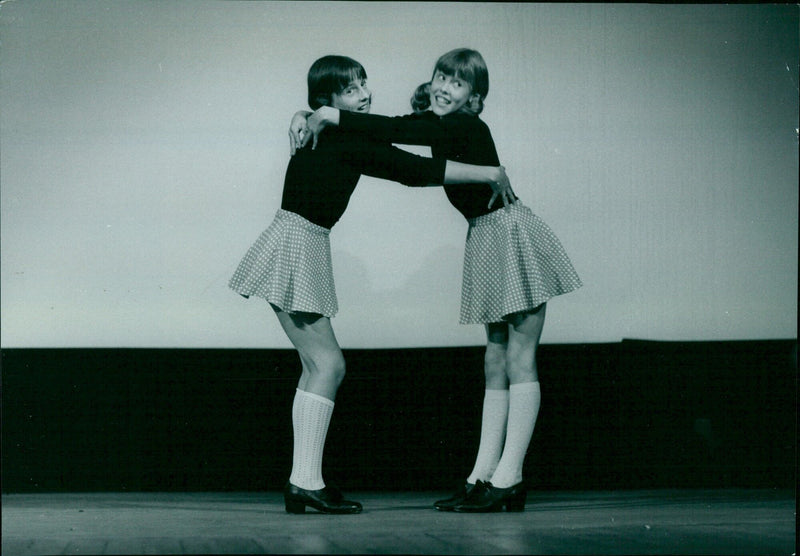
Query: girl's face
{"x": 354, "y": 98}
{"x": 448, "y": 93}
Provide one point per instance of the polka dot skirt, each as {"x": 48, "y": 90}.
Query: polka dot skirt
{"x": 513, "y": 262}
{"x": 290, "y": 266}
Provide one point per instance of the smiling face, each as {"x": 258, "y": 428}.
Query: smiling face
{"x": 355, "y": 97}
{"x": 449, "y": 93}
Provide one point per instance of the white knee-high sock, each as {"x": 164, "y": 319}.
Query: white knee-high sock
{"x": 311, "y": 415}
{"x": 493, "y": 432}
{"x": 523, "y": 406}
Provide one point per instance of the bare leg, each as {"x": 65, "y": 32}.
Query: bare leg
{"x": 494, "y": 361}
{"x": 320, "y": 354}
{"x": 523, "y": 342}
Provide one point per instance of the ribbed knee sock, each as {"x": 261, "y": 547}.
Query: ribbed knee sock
{"x": 311, "y": 415}
{"x": 493, "y": 432}
{"x": 523, "y": 407}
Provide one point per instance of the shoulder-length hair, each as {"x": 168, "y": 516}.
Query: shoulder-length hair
{"x": 463, "y": 63}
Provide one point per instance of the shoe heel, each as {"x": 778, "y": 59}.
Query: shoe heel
{"x": 516, "y": 503}
{"x": 295, "y": 507}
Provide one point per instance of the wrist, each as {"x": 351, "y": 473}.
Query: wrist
{"x": 332, "y": 116}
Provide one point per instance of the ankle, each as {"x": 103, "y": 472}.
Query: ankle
{"x": 505, "y": 482}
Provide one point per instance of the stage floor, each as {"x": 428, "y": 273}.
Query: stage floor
{"x": 624, "y": 522}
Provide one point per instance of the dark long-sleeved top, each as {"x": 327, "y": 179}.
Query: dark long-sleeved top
{"x": 460, "y": 137}
{"x": 319, "y": 182}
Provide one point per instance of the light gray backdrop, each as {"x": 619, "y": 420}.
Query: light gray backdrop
{"x": 144, "y": 146}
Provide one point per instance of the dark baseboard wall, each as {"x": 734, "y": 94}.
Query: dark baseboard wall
{"x": 633, "y": 414}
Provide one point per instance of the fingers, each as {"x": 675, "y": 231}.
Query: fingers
{"x": 314, "y": 144}
{"x": 506, "y": 195}
{"x": 504, "y": 191}
{"x": 298, "y": 138}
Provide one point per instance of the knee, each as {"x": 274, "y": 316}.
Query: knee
{"x": 336, "y": 367}
{"x": 494, "y": 360}
{"x": 329, "y": 365}
{"x": 521, "y": 362}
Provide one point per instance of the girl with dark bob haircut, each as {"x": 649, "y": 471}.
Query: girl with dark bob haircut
{"x": 331, "y": 74}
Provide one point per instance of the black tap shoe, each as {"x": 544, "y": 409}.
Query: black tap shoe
{"x": 457, "y": 498}
{"x": 487, "y": 498}
{"x": 326, "y": 500}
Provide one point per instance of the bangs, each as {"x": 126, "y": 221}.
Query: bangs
{"x": 348, "y": 75}
{"x": 460, "y": 69}
{"x": 467, "y": 65}
{"x": 330, "y": 75}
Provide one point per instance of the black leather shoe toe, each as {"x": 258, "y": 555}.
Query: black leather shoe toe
{"x": 326, "y": 500}
{"x": 447, "y": 504}
{"x": 488, "y": 498}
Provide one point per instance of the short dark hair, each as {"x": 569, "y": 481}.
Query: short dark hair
{"x": 330, "y": 75}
